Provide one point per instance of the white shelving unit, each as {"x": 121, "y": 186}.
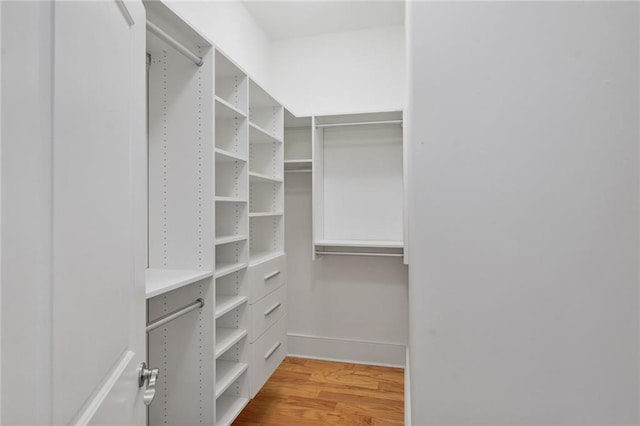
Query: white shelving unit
{"x": 216, "y": 202}
{"x": 298, "y": 152}
{"x": 358, "y": 190}
{"x": 231, "y": 240}
{"x": 181, "y": 249}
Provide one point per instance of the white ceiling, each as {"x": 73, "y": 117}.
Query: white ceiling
{"x": 300, "y": 18}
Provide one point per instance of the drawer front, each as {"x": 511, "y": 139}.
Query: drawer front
{"x": 266, "y": 354}
{"x": 267, "y": 311}
{"x": 266, "y": 277}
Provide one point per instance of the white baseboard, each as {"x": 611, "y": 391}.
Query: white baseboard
{"x": 354, "y": 351}
{"x": 407, "y": 391}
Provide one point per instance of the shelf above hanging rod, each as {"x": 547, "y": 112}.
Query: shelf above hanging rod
{"x": 298, "y": 171}
{"x": 158, "y": 32}
{"x": 346, "y": 253}
{"x": 359, "y": 123}
{"x": 197, "y": 304}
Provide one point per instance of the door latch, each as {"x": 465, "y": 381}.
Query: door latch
{"x": 149, "y": 376}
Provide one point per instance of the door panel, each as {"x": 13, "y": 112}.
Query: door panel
{"x": 98, "y": 305}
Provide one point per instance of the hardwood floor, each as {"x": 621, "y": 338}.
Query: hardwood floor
{"x": 311, "y": 392}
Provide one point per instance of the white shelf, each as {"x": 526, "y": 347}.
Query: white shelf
{"x": 227, "y": 337}
{"x": 231, "y": 199}
{"x": 226, "y": 268}
{"x": 159, "y": 281}
{"x": 259, "y": 135}
{"x": 228, "y": 408}
{"x": 259, "y": 177}
{"x": 225, "y": 110}
{"x": 226, "y": 373}
{"x": 298, "y": 162}
{"x": 263, "y": 256}
{"x": 227, "y": 156}
{"x": 265, "y": 214}
{"x": 230, "y": 239}
{"x": 360, "y": 243}
{"x": 226, "y": 304}
{"x": 298, "y": 165}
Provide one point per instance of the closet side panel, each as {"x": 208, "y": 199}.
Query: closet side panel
{"x": 180, "y": 163}
{"x": 183, "y": 350}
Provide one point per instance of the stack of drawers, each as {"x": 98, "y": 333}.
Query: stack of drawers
{"x": 267, "y": 316}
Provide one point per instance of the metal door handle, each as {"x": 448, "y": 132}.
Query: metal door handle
{"x": 271, "y": 275}
{"x": 272, "y": 350}
{"x": 150, "y": 376}
{"x": 271, "y": 309}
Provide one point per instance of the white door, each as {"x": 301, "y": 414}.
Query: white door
{"x": 73, "y": 212}
{"x": 99, "y": 162}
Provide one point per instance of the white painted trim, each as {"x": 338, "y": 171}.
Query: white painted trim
{"x": 347, "y": 350}
{"x": 90, "y": 408}
{"x": 407, "y": 391}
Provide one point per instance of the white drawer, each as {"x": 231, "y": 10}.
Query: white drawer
{"x": 266, "y": 312}
{"x": 266, "y": 354}
{"x": 265, "y": 277}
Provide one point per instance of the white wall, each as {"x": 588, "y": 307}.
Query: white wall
{"x": 524, "y": 174}
{"x": 340, "y": 307}
{"x": 343, "y": 72}
{"x": 233, "y": 30}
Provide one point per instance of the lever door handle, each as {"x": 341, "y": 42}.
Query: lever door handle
{"x": 150, "y": 377}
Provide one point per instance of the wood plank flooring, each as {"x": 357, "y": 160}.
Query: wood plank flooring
{"x": 311, "y": 392}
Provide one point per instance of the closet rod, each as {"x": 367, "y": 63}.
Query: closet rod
{"x": 174, "y": 43}
{"x": 346, "y": 253}
{"x": 359, "y": 123}
{"x": 199, "y": 303}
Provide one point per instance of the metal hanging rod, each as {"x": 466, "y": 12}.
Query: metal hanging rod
{"x": 346, "y": 253}
{"x": 359, "y": 123}
{"x": 199, "y": 303}
{"x": 154, "y": 29}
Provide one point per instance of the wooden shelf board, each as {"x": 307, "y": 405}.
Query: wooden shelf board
{"x": 231, "y": 199}
{"x": 230, "y": 239}
{"x": 265, "y": 214}
{"x": 225, "y": 304}
{"x": 360, "y": 243}
{"x": 259, "y": 135}
{"x": 228, "y": 156}
{"x": 227, "y": 337}
{"x": 226, "y": 268}
{"x": 263, "y": 256}
{"x": 227, "y": 372}
{"x": 159, "y": 281}
{"x": 225, "y": 110}
{"x": 228, "y": 408}
{"x": 259, "y": 177}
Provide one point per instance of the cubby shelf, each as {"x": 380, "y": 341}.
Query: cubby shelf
{"x": 226, "y": 338}
{"x": 259, "y": 135}
{"x": 226, "y": 268}
{"x": 230, "y": 239}
{"x": 259, "y": 177}
{"x": 159, "y": 281}
{"x": 225, "y": 304}
{"x": 298, "y": 165}
{"x": 360, "y": 243}
{"x": 225, "y": 156}
{"x": 231, "y": 200}
{"x": 228, "y": 408}
{"x": 265, "y": 214}
{"x": 225, "y": 110}
{"x": 226, "y": 373}
{"x": 263, "y": 256}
